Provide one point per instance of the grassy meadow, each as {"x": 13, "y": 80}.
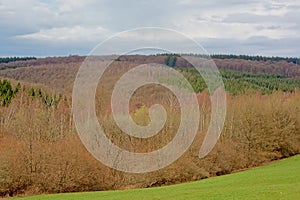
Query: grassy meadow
{"x": 278, "y": 180}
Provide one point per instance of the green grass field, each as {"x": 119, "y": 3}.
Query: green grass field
{"x": 279, "y": 180}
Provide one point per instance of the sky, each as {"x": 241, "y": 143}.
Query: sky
{"x": 74, "y": 27}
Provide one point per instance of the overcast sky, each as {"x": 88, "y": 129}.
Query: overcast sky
{"x": 64, "y": 27}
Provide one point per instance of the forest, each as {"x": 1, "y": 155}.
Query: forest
{"x": 41, "y": 151}
{"x": 237, "y": 82}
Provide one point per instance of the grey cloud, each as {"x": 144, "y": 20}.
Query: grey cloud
{"x": 289, "y": 18}
{"x": 254, "y": 46}
{"x": 31, "y": 16}
{"x": 250, "y": 18}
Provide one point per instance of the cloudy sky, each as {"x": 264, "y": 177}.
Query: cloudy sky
{"x": 64, "y": 27}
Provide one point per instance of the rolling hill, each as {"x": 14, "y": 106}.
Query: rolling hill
{"x": 58, "y": 73}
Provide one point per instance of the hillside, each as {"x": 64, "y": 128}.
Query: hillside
{"x": 59, "y": 73}
{"x": 279, "y": 180}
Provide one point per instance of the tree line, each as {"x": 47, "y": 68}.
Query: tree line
{"x": 13, "y": 59}
{"x": 257, "y": 58}
{"x": 294, "y": 60}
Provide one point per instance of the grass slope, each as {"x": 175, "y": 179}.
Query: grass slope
{"x": 279, "y": 180}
